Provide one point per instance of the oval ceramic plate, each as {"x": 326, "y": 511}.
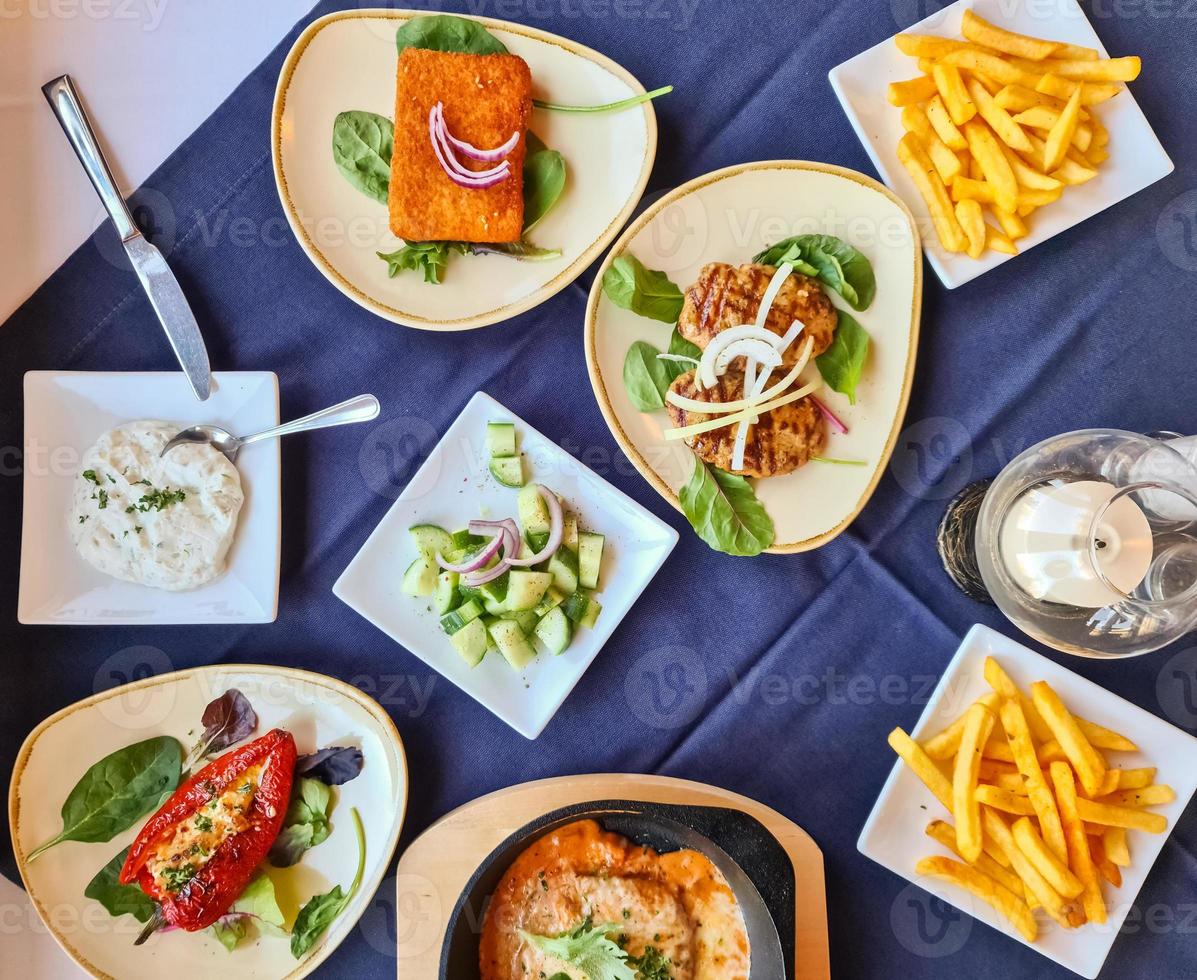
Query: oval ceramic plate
{"x": 318, "y": 710}
{"x": 347, "y": 60}
{"x": 729, "y": 216}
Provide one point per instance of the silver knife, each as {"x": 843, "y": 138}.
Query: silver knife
{"x": 157, "y": 280}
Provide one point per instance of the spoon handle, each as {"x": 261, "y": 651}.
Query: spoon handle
{"x": 359, "y": 409}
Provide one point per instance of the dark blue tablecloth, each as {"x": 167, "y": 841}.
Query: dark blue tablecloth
{"x": 777, "y": 677}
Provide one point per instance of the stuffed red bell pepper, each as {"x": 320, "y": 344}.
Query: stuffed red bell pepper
{"x": 198, "y": 852}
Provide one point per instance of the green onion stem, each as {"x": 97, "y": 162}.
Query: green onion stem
{"x": 608, "y": 107}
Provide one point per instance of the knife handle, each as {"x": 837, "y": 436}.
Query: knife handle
{"x": 64, "y": 100}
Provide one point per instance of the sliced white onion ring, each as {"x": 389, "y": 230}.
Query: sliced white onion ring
{"x": 719, "y": 408}
{"x": 770, "y": 297}
{"x": 753, "y": 392}
{"x": 763, "y": 353}
{"x": 762, "y": 407}
{"x": 708, "y": 373}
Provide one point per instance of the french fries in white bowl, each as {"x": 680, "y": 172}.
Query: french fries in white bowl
{"x": 1032, "y": 799}
{"x": 999, "y": 126}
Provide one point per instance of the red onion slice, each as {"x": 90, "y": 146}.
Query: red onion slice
{"x": 442, "y": 130}
{"x": 556, "y": 531}
{"x": 828, "y": 414}
{"x": 456, "y": 172}
{"x": 474, "y": 563}
{"x": 469, "y": 149}
{"x": 481, "y": 578}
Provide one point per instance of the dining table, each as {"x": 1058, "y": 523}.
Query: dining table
{"x": 777, "y": 677}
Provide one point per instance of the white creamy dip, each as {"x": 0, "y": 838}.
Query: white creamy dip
{"x": 163, "y": 522}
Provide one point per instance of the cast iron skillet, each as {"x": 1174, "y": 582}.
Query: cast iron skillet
{"x": 756, "y": 866}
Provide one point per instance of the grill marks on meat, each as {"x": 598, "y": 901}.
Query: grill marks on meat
{"x": 725, "y": 296}
{"x": 782, "y": 440}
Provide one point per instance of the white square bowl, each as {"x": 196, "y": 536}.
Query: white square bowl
{"x": 453, "y": 487}
{"x": 65, "y": 413}
{"x": 1136, "y": 161}
{"x": 894, "y": 834}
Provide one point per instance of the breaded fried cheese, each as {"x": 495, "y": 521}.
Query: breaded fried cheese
{"x": 486, "y": 98}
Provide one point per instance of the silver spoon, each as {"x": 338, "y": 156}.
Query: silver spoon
{"x": 363, "y": 408}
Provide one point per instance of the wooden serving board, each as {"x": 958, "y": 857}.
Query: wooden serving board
{"x": 436, "y": 867}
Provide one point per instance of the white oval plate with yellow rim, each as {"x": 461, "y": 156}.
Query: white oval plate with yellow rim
{"x": 347, "y": 60}
{"x": 728, "y": 216}
{"x": 318, "y": 710}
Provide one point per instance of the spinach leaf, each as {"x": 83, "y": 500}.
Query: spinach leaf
{"x": 118, "y": 899}
{"x": 427, "y": 257}
{"x": 647, "y": 292}
{"x": 646, "y": 377}
{"x": 444, "y": 32}
{"x": 523, "y": 249}
{"x": 122, "y": 787}
{"x": 305, "y": 825}
{"x": 320, "y": 910}
{"x": 335, "y": 765}
{"x": 544, "y": 181}
{"x": 724, "y": 510}
{"x": 680, "y": 345}
{"x": 842, "y": 364}
{"x": 362, "y": 146}
{"x": 832, "y": 260}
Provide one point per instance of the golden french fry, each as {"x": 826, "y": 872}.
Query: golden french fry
{"x": 1003, "y": 683}
{"x": 1107, "y": 868}
{"x": 945, "y": 834}
{"x": 910, "y": 752}
{"x": 997, "y": 830}
{"x": 992, "y": 65}
{"x": 1000, "y": 121}
{"x": 1051, "y": 867}
{"x": 1079, "y": 856}
{"x": 1012, "y": 782}
{"x": 1086, "y": 760}
{"x": 1096, "y": 156}
{"x": 1014, "y": 228}
{"x": 1101, "y": 135}
{"x": 1044, "y": 117}
{"x": 941, "y": 121}
{"x": 927, "y": 45}
{"x": 1135, "y": 778}
{"x": 1104, "y": 738}
{"x": 968, "y": 213}
{"x": 1077, "y": 52}
{"x": 1062, "y": 88}
{"x": 984, "y": 146}
{"x": 999, "y": 241}
{"x": 1109, "y": 783}
{"x": 1029, "y": 197}
{"x": 1121, "y": 816}
{"x": 947, "y": 164}
{"x": 1102, "y": 70}
{"x": 980, "y": 31}
{"x": 1145, "y": 796}
{"x": 1031, "y": 179}
{"x": 931, "y": 186}
{"x": 1019, "y": 98}
{"x": 1005, "y": 800}
{"x": 992, "y": 769}
{"x": 1074, "y": 170}
{"x": 985, "y": 888}
{"x": 974, "y": 168}
{"x": 1117, "y": 848}
{"x": 1059, "y": 137}
{"x": 977, "y": 727}
{"x": 912, "y": 91}
{"x": 945, "y": 744}
{"x": 1038, "y": 792}
{"x": 955, "y": 96}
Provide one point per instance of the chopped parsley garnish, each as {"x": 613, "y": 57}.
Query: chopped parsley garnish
{"x": 137, "y": 528}
{"x": 652, "y": 964}
{"x": 202, "y": 823}
{"x": 159, "y": 500}
{"x": 198, "y": 850}
{"x": 82, "y": 518}
{"x": 90, "y": 477}
{"x": 175, "y": 878}
{"x": 103, "y": 498}
{"x": 111, "y": 478}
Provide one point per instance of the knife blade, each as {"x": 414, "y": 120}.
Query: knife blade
{"x": 165, "y": 295}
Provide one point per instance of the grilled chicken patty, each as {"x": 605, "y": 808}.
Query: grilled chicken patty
{"x": 780, "y": 442}
{"x": 725, "y": 296}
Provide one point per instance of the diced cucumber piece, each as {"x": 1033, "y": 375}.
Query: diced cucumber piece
{"x": 512, "y": 643}
{"x": 420, "y": 577}
{"x": 533, "y": 511}
{"x": 471, "y": 641}
{"x": 526, "y": 589}
{"x": 536, "y": 540}
{"x": 447, "y": 596}
{"x": 525, "y": 618}
{"x": 590, "y": 558}
{"x": 590, "y": 617}
{"x": 552, "y": 599}
{"x": 488, "y": 621}
{"x": 467, "y": 539}
{"x": 457, "y": 619}
{"x": 493, "y": 606}
{"x": 563, "y": 566}
{"x": 555, "y": 631}
{"x": 500, "y": 438}
{"x": 430, "y": 539}
{"x": 508, "y": 470}
{"x": 468, "y": 592}
{"x": 569, "y": 533}
{"x": 575, "y": 606}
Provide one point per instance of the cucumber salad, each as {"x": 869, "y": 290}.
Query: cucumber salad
{"x": 507, "y": 585}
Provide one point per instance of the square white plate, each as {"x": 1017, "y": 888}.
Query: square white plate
{"x": 65, "y": 413}
{"x": 894, "y": 834}
{"x": 454, "y": 487}
{"x": 1136, "y": 161}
